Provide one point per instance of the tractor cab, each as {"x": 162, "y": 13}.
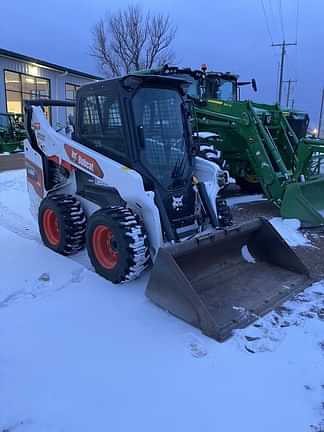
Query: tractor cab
{"x": 226, "y": 86}
{"x": 222, "y": 86}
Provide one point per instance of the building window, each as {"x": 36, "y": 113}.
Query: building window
{"x": 70, "y": 91}
{"x": 20, "y": 87}
{"x": 70, "y": 95}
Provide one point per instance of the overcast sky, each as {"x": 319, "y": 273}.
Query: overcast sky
{"x": 231, "y": 36}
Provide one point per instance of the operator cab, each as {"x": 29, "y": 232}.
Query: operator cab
{"x": 226, "y": 86}
{"x": 143, "y": 123}
{"x": 222, "y": 86}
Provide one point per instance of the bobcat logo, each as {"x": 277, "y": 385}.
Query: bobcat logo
{"x": 177, "y": 202}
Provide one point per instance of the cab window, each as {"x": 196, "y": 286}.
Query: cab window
{"x": 101, "y": 124}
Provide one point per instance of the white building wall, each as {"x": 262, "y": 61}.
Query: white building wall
{"x": 57, "y": 83}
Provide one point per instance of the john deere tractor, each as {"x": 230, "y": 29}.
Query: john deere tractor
{"x": 258, "y": 142}
{"x": 12, "y": 133}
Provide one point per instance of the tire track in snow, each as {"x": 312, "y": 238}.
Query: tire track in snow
{"x": 10, "y": 219}
{"x": 28, "y": 425}
{"x": 268, "y": 332}
{"x": 17, "y": 224}
{"x": 25, "y": 228}
{"x": 41, "y": 287}
{"x": 16, "y": 180}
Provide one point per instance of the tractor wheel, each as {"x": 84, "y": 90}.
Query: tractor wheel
{"x": 117, "y": 244}
{"x": 62, "y": 223}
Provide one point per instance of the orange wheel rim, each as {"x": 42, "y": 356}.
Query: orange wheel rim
{"x": 51, "y": 227}
{"x": 102, "y": 243}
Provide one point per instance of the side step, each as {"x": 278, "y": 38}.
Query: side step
{"x": 211, "y": 283}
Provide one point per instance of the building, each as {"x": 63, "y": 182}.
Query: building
{"x": 23, "y": 78}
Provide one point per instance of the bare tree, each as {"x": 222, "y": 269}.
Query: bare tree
{"x": 132, "y": 39}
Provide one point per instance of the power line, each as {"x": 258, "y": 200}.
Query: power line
{"x": 278, "y": 78}
{"x": 267, "y": 21}
{"x": 297, "y": 37}
{"x": 290, "y": 71}
{"x": 283, "y": 46}
{"x": 297, "y": 19}
{"x": 321, "y": 115}
{"x": 281, "y": 20}
{"x": 271, "y": 10}
{"x": 272, "y": 17}
{"x": 289, "y": 82}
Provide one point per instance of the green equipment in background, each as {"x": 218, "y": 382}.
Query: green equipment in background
{"x": 12, "y": 133}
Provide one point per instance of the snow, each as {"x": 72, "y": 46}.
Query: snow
{"x": 246, "y": 255}
{"x": 244, "y": 199}
{"x": 288, "y": 229}
{"x": 80, "y": 354}
{"x": 205, "y": 135}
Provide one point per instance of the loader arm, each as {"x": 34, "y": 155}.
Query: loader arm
{"x": 244, "y": 137}
{"x": 257, "y": 139}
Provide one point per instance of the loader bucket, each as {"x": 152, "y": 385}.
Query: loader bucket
{"x": 212, "y": 284}
{"x": 304, "y": 201}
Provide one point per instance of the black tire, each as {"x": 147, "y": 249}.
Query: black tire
{"x": 117, "y": 244}
{"x": 62, "y": 223}
{"x": 249, "y": 187}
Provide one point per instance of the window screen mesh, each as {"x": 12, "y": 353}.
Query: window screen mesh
{"x": 110, "y": 112}
{"x": 158, "y": 113}
{"x": 101, "y": 123}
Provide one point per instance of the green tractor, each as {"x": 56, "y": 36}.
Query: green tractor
{"x": 258, "y": 142}
{"x": 227, "y": 87}
{"x": 12, "y": 133}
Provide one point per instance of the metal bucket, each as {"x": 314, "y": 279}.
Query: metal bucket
{"x": 304, "y": 201}
{"x": 210, "y": 282}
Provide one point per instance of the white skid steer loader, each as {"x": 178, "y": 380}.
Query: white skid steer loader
{"x": 129, "y": 185}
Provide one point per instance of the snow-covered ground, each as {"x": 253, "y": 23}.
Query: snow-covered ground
{"x": 245, "y": 199}
{"x": 288, "y": 228}
{"x": 80, "y": 354}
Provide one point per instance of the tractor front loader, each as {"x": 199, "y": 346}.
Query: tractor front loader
{"x": 129, "y": 186}
{"x": 258, "y": 144}
{"x": 257, "y": 140}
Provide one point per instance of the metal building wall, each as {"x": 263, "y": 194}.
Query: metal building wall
{"x": 57, "y": 83}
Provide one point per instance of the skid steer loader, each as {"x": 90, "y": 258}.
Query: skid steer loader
{"x": 129, "y": 185}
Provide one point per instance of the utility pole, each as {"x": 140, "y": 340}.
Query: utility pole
{"x": 289, "y": 89}
{"x": 321, "y": 115}
{"x": 283, "y": 46}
